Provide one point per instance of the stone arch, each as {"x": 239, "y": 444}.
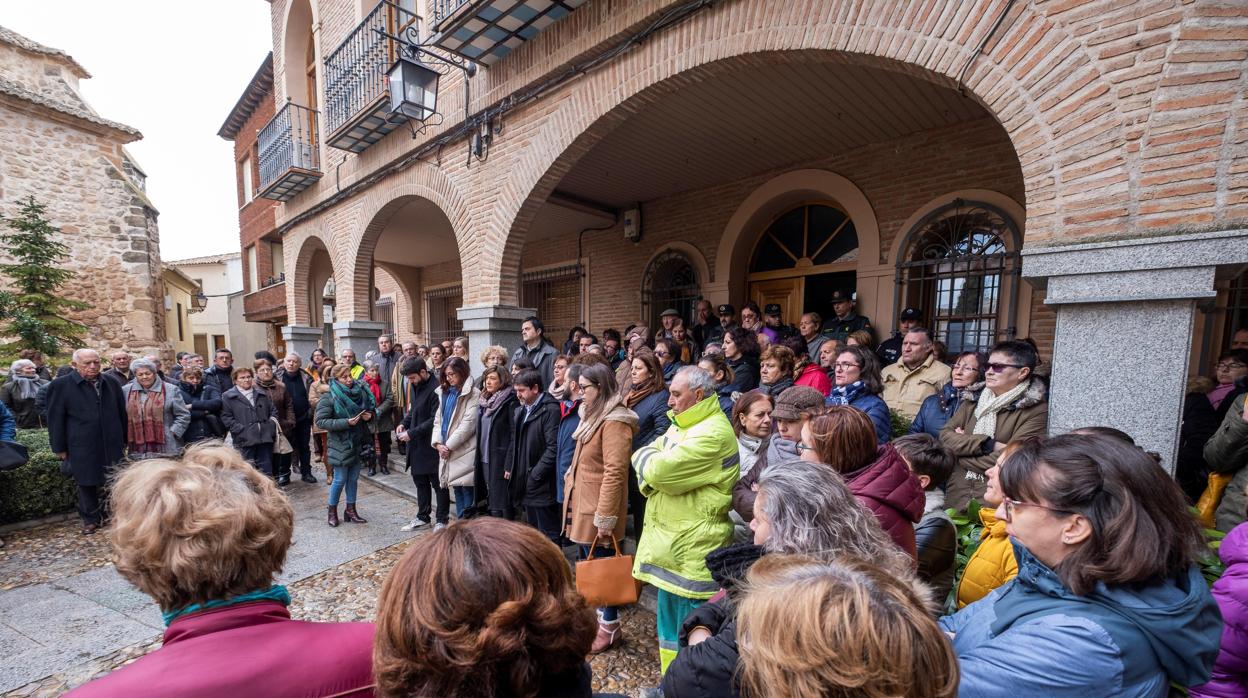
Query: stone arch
{"x": 774, "y": 197}
{"x": 297, "y": 32}
{"x": 1041, "y": 116}
{"x": 375, "y": 210}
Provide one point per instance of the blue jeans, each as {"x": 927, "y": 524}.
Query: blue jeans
{"x": 463, "y": 499}
{"x": 344, "y": 477}
{"x": 609, "y": 614}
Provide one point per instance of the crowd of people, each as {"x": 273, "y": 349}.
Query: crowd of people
{"x": 787, "y": 489}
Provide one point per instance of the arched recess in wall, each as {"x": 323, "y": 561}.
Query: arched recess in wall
{"x": 313, "y": 270}
{"x": 299, "y": 56}
{"x": 673, "y": 278}
{"x": 783, "y": 193}
{"x": 957, "y": 260}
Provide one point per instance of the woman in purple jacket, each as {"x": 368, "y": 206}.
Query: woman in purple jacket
{"x": 1230, "y": 671}
{"x": 204, "y": 536}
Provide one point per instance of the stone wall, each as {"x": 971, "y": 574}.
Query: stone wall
{"x": 74, "y": 167}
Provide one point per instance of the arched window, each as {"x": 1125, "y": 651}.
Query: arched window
{"x": 960, "y": 266}
{"x": 806, "y": 236}
{"x": 670, "y": 282}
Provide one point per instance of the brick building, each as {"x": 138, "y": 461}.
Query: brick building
{"x": 1069, "y": 170}
{"x": 59, "y": 150}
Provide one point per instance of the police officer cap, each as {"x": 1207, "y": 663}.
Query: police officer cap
{"x": 726, "y": 309}
{"x": 772, "y": 309}
{"x": 842, "y": 296}
{"x": 912, "y": 314}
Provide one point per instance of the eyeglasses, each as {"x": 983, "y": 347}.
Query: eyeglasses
{"x": 660, "y": 353}
{"x": 1230, "y": 365}
{"x": 1000, "y": 368}
{"x": 964, "y": 367}
{"x": 801, "y": 447}
{"x": 585, "y": 386}
{"x": 844, "y": 365}
{"x": 1011, "y": 503}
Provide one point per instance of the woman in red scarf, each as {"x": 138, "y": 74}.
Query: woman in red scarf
{"x": 384, "y": 424}
{"x": 156, "y": 414}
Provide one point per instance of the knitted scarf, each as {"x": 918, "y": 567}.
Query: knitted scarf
{"x": 988, "y": 406}
{"x": 612, "y": 410}
{"x": 637, "y": 393}
{"x": 374, "y": 386}
{"x": 27, "y": 386}
{"x": 349, "y": 402}
{"x": 490, "y": 403}
{"x": 147, "y": 418}
{"x": 845, "y": 394}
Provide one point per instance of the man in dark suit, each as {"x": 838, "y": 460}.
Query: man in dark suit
{"x": 422, "y": 458}
{"x": 531, "y": 461}
{"x": 87, "y": 425}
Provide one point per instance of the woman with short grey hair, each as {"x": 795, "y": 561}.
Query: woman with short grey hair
{"x": 20, "y": 394}
{"x": 802, "y": 508}
{"x": 156, "y": 414}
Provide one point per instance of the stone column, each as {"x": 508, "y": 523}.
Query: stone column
{"x": 302, "y": 341}
{"x": 359, "y": 335}
{"x": 488, "y": 325}
{"x": 1124, "y": 333}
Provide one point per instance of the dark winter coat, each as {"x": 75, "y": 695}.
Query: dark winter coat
{"x": 91, "y": 428}
{"x": 709, "y": 667}
{"x": 567, "y": 445}
{"x": 282, "y": 403}
{"x": 875, "y": 408}
{"x": 543, "y": 358}
{"x": 491, "y": 457}
{"x": 25, "y": 411}
{"x": 652, "y": 415}
{"x": 892, "y": 493}
{"x": 937, "y": 409}
{"x": 936, "y": 540}
{"x": 205, "y": 403}
{"x": 1227, "y": 452}
{"x": 1199, "y": 423}
{"x": 8, "y": 424}
{"x": 776, "y": 388}
{"x": 249, "y": 425}
{"x": 531, "y": 462}
{"x": 219, "y": 378}
{"x": 744, "y": 374}
{"x": 344, "y": 442}
{"x": 422, "y": 457}
{"x": 299, "y": 388}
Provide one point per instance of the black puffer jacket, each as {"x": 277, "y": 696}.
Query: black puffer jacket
{"x": 707, "y": 668}
{"x": 205, "y": 403}
{"x": 531, "y": 461}
{"x": 936, "y": 543}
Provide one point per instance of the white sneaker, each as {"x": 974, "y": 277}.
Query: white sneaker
{"x": 414, "y": 524}
{"x": 439, "y": 527}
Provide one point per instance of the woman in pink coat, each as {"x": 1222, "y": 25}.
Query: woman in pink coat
{"x": 204, "y": 536}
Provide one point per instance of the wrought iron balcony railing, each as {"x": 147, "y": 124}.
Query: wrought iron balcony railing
{"x": 290, "y": 159}
{"x": 357, "y": 112}
{"x": 486, "y": 30}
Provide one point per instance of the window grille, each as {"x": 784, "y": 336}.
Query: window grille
{"x": 442, "y": 305}
{"x": 670, "y": 281}
{"x": 556, "y": 295}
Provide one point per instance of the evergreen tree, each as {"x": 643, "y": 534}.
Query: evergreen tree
{"x": 32, "y": 313}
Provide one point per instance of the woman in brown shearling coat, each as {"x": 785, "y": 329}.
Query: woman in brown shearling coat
{"x": 595, "y": 498}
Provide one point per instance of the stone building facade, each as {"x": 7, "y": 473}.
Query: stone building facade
{"x": 1068, "y": 170}
{"x": 58, "y": 149}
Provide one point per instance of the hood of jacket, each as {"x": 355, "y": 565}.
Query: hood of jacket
{"x": 992, "y": 527}
{"x": 970, "y": 393}
{"x": 1177, "y": 620}
{"x": 888, "y": 481}
{"x": 1035, "y": 394}
{"x": 780, "y": 450}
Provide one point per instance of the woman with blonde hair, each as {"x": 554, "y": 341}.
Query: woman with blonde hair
{"x": 485, "y": 607}
{"x": 596, "y": 485}
{"x": 846, "y": 627}
{"x": 204, "y": 536}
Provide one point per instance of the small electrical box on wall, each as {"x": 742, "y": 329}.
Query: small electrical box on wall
{"x": 632, "y": 224}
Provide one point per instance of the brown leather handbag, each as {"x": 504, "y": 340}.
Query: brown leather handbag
{"x": 607, "y": 581}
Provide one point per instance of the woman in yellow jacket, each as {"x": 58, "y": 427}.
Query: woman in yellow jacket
{"x": 992, "y": 564}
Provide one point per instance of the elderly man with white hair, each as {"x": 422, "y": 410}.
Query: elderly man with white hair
{"x": 87, "y": 426}
{"x": 687, "y": 476}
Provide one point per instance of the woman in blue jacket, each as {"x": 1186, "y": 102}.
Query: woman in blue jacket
{"x": 857, "y": 383}
{"x": 967, "y": 381}
{"x": 1108, "y": 599}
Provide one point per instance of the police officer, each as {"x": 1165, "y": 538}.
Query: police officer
{"x": 773, "y": 325}
{"x": 727, "y": 320}
{"x": 844, "y": 319}
{"x": 890, "y": 349}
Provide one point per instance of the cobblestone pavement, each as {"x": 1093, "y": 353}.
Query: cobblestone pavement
{"x": 56, "y": 559}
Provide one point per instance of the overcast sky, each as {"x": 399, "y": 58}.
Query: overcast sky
{"x": 173, "y": 70}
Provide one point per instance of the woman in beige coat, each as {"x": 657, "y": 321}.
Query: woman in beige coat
{"x": 455, "y": 432}
{"x": 596, "y": 485}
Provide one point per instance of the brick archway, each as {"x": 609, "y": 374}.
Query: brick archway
{"x": 1043, "y": 119}
{"x": 299, "y": 293}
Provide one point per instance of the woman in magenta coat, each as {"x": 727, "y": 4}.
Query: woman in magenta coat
{"x": 204, "y": 536}
{"x": 1230, "y": 671}
{"x": 844, "y": 437}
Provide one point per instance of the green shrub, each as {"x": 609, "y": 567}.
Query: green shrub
{"x": 36, "y": 489}
{"x": 901, "y": 423}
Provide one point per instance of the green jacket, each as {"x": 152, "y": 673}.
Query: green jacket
{"x": 344, "y": 442}
{"x": 687, "y": 476}
{"x": 1227, "y": 452}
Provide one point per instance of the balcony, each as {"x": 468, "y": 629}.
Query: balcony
{"x": 357, "y": 95}
{"x": 290, "y": 160}
{"x": 267, "y": 304}
{"x": 486, "y": 30}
